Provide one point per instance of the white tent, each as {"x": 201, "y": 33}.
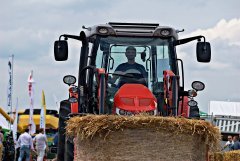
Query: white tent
{"x": 224, "y": 108}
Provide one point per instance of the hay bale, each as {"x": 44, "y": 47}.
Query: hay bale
{"x": 110, "y": 137}
{"x": 231, "y": 155}
{"x": 217, "y": 156}
{"x": 225, "y": 156}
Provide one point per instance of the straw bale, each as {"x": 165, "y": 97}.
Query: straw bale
{"x": 232, "y": 155}
{"x": 111, "y": 137}
{"x": 217, "y": 156}
{"x": 226, "y": 156}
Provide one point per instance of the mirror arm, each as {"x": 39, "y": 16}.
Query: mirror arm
{"x": 70, "y": 36}
{"x": 184, "y": 41}
{"x": 183, "y": 93}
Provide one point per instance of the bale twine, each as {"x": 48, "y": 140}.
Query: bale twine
{"x": 143, "y": 138}
{"x": 225, "y": 156}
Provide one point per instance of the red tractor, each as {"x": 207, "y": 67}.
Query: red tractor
{"x": 127, "y": 69}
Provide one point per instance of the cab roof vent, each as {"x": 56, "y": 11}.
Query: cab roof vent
{"x": 133, "y": 27}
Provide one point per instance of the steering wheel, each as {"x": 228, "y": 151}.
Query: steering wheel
{"x": 132, "y": 78}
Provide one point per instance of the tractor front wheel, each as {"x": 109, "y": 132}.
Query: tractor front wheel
{"x": 194, "y": 112}
{"x": 69, "y": 149}
{"x": 64, "y": 111}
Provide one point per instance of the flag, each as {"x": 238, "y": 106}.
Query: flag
{"x": 32, "y": 126}
{"x": 43, "y": 113}
{"x": 14, "y": 128}
{"x": 10, "y": 84}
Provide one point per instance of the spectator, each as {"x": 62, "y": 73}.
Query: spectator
{"x": 9, "y": 149}
{"x": 41, "y": 144}
{"x": 236, "y": 145}
{"x": 26, "y": 144}
{"x": 1, "y": 143}
{"x": 229, "y": 143}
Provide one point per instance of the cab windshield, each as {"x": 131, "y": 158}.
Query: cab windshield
{"x": 152, "y": 55}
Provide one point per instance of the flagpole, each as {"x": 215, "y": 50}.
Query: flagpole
{"x": 14, "y": 131}
{"x": 32, "y": 126}
{"x": 10, "y": 86}
{"x": 43, "y": 113}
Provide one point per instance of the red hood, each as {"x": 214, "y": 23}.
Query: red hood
{"x": 135, "y": 98}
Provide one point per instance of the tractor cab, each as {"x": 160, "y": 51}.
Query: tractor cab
{"x": 129, "y": 68}
{"x": 135, "y": 68}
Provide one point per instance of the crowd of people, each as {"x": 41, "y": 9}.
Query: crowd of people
{"x": 26, "y": 144}
{"x": 38, "y": 145}
{"x": 6, "y": 146}
{"x": 232, "y": 143}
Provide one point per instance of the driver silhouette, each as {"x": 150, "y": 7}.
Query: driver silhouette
{"x": 134, "y": 72}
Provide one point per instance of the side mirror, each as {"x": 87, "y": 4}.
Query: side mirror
{"x": 61, "y": 50}
{"x": 203, "y": 52}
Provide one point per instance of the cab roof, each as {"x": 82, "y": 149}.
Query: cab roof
{"x": 132, "y": 29}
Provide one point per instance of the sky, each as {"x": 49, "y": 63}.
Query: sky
{"x": 29, "y": 28}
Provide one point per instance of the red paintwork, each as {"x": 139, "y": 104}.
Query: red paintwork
{"x": 167, "y": 88}
{"x": 134, "y": 98}
{"x": 168, "y": 95}
{"x": 74, "y": 106}
{"x": 101, "y": 71}
{"x": 186, "y": 108}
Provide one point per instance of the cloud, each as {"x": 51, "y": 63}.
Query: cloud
{"x": 224, "y": 38}
{"x": 224, "y": 30}
{"x": 221, "y": 75}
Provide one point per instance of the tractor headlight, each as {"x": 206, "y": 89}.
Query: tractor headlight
{"x": 192, "y": 103}
{"x": 165, "y": 32}
{"x": 69, "y": 79}
{"x": 72, "y": 100}
{"x": 192, "y": 93}
{"x": 198, "y": 86}
{"x": 103, "y": 30}
{"x": 121, "y": 112}
{"x": 73, "y": 89}
{"x": 129, "y": 113}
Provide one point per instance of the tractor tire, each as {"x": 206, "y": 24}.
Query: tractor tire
{"x": 63, "y": 114}
{"x": 69, "y": 149}
{"x": 194, "y": 112}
